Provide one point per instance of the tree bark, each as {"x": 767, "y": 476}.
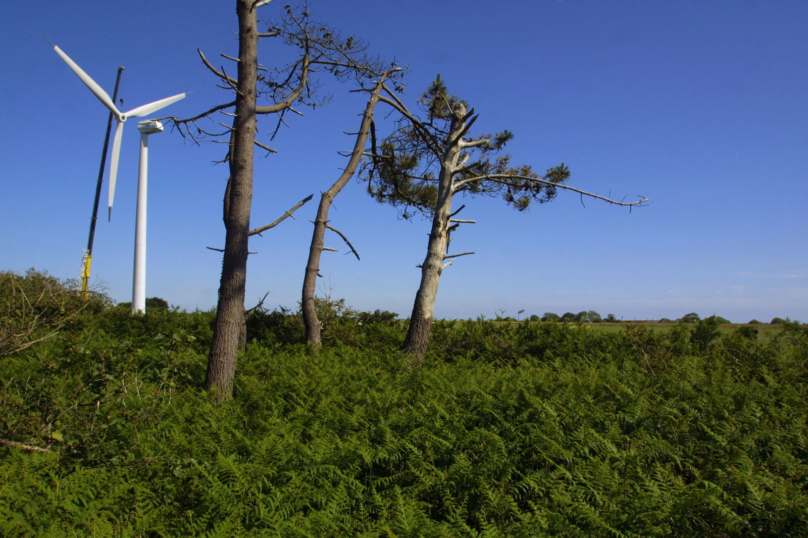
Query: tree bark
{"x": 423, "y": 310}
{"x": 310, "y": 319}
{"x": 230, "y": 309}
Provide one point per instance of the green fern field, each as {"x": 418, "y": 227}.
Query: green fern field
{"x": 523, "y": 430}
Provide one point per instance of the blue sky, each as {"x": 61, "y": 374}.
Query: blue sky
{"x": 700, "y": 106}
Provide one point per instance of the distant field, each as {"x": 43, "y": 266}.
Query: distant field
{"x": 765, "y": 330}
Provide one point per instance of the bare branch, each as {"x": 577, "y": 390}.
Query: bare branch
{"x": 22, "y": 446}
{"x": 457, "y": 255}
{"x": 505, "y": 178}
{"x": 445, "y": 265}
{"x": 283, "y": 217}
{"x": 459, "y": 209}
{"x": 223, "y": 55}
{"x": 344, "y": 239}
{"x": 474, "y": 143}
{"x": 330, "y": 249}
{"x": 216, "y": 71}
{"x": 202, "y": 115}
{"x": 288, "y": 102}
{"x": 462, "y": 221}
{"x": 256, "y": 307}
{"x": 467, "y": 125}
{"x": 262, "y": 146}
{"x": 216, "y": 249}
{"x": 233, "y": 84}
{"x": 393, "y": 95}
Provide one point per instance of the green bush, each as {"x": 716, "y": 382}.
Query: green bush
{"x": 36, "y": 306}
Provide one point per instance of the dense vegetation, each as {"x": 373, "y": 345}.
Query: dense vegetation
{"x": 528, "y": 429}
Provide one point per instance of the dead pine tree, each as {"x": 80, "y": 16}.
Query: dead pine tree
{"x": 319, "y": 49}
{"x": 424, "y": 163}
{"x": 309, "y": 307}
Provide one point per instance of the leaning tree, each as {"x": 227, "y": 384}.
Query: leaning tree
{"x": 426, "y": 161}
{"x": 319, "y": 49}
{"x": 308, "y": 305}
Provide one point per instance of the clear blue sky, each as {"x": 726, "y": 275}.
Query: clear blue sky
{"x": 700, "y": 106}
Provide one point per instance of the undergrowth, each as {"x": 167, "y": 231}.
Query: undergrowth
{"x": 522, "y": 430}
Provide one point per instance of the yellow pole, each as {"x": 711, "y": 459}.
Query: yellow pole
{"x": 85, "y": 276}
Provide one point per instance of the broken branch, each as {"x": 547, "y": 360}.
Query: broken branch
{"x": 283, "y": 217}
{"x": 344, "y": 239}
{"x": 457, "y": 255}
{"x": 22, "y": 446}
{"x": 262, "y": 146}
{"x": 222, "y": 76}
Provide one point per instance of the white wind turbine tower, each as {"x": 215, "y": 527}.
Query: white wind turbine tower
{"x": 146, "y": 128}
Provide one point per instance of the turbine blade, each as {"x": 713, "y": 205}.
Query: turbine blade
{"x": 113, "y": 169}
{"x": 145, "y": 110}
{"x": 85, "y": 78}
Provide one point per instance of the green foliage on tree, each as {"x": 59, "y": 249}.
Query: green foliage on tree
{"x": 593, "y": 317}
{"x": 778, "y": 321}
{"x": 156, "y": 303}
{"x": 551, "y": 316}
{"x": 568, "y": 317}
{"x": 406, "y": 168}
{"x": 610, "y": 318}
{"x": 534, "y": 317}
{"x": 690, "y": 318}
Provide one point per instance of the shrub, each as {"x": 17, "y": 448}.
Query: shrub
{"x": 704, "y": 332}
{"x": 36, "y": 306}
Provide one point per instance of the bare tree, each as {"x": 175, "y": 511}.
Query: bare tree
{"x": 320, "y": 49}
{"x": 424, "y": 163}
{"x": 309, "y": 308}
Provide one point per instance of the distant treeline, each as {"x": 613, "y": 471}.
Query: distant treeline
{"x": 593, "y": 317}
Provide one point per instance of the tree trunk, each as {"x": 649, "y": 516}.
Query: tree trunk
{"x": 230, "y": 308}
{"x": 423, "y": 310}
{"x": 310, "y": 319}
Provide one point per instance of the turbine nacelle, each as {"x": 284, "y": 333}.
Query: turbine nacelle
{"x": 121, "y": 117}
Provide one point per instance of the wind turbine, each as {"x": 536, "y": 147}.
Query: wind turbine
{"x": 146, "y": 128}
{"x": 121, "y": 117}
